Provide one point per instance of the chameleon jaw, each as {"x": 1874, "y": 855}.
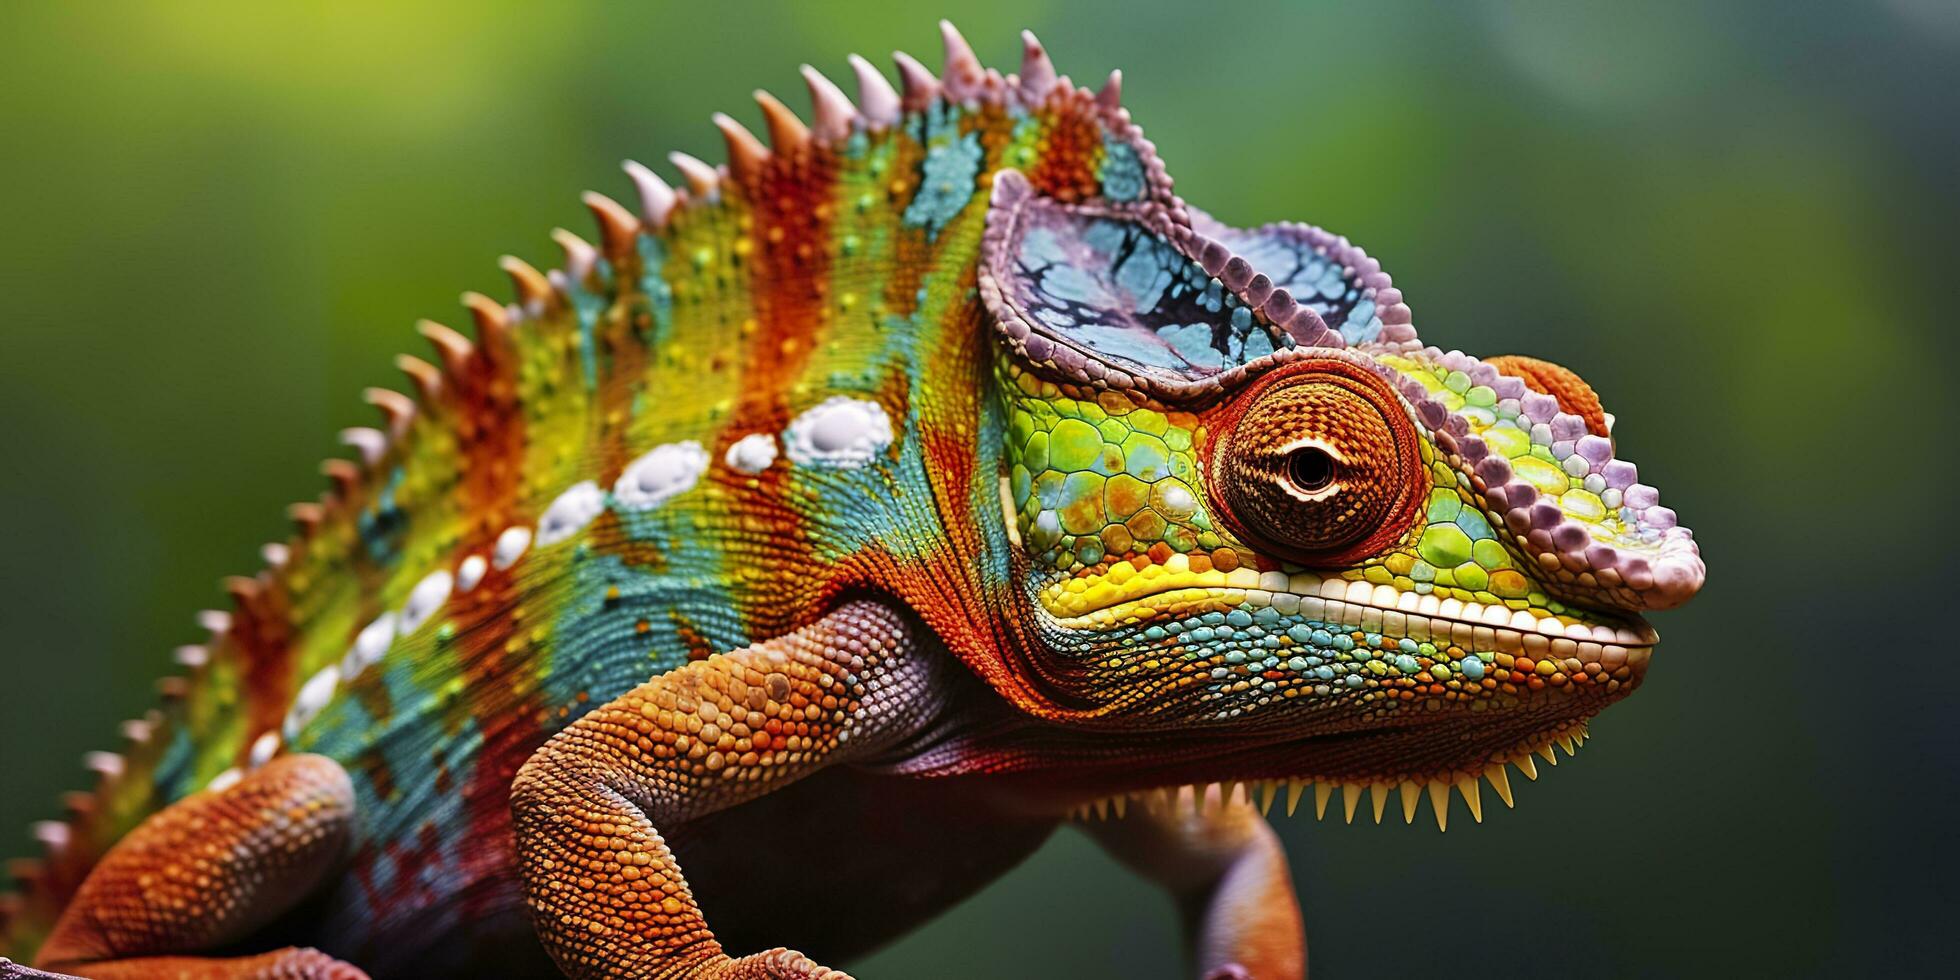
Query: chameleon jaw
{"x": 1202, "y": 797}
{"x": 1611, "y": 650}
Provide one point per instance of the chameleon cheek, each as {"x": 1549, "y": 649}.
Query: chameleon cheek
{"x": 1318, "y": 465}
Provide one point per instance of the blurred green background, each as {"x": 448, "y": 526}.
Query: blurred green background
{"x": 1735, "y": 220}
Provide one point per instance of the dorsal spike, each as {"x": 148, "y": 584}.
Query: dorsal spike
{"x": 216, "y": 622}
{"x": 580, "y": 256}
{"x": 453, "y": 348}
{"x": 52, "y": 835}
{"x": 1111, "y": 94}
{"x": 306, "y": 516}
{"x": 138, "y": 731}
{"x": 921, "y": 86}
{"x": 243, "y": 589}
{"x": 108, "y": 765}
{"x": 746, "y": 154}
{"x": 656, "y": 196}
{"x": 831, "y": 113}
{"x": 275, "y": 554}
{"x": 426, "y": 378}
{"x": 877, "y": 100}
{"x": 344, "y": 474}
{"x": 397, "y": 408}
{"x": 787, "y": 134}
{"x": 962, "y": 73}
{"x": 618, "y": 229}
{"x": 703, "y": 182}
{"x": 492, "y": 323}
{"x": 29, "y": 874}
{"x": 372, "y": 444}
{"x": 1037, "y": 72}
{"x": 533, "y": 289}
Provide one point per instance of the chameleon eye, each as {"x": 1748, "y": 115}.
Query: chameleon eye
{"x": 1318, "y": 466}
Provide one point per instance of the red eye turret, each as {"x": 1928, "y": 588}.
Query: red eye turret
{"x": 1317, "y": 464}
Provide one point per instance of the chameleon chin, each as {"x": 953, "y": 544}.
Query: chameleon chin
{"x": 792, "y": 559}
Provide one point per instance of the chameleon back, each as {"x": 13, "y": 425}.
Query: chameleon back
{"x": 813, "y": 304}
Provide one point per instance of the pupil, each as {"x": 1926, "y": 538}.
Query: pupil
{"x": 1311, "y": 469}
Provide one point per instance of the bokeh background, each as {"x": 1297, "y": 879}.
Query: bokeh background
{"x": 218, "y": 221}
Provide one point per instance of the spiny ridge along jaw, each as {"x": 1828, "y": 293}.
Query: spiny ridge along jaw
{"x": 1203, "y": 798}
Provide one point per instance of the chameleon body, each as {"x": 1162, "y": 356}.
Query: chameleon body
{"x": 790, "y": 562}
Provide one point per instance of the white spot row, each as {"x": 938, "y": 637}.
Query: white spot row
{"x": 840, "y": 432}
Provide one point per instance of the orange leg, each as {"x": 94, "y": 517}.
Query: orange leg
{"x": 1225, "y": 867}
{"x": 607, "y": 896}
{"x": 207, "y": 871}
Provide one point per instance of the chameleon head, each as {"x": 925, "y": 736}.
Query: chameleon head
{"x": 1253, "y": 512}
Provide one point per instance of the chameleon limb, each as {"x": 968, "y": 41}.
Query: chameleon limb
{"x": 607, "y": 896}
{"x": 206, "y": 872}
{"x": 1225, "y": 868}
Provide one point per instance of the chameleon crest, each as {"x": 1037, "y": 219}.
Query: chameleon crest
{"x": 930, "y": 474}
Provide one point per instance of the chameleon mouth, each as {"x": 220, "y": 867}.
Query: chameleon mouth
{"x": 1127, "y": 596}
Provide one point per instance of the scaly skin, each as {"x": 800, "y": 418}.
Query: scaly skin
{"x": 928, "y": 476}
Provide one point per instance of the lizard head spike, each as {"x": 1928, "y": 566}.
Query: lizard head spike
{"x": 275, "y": 554}
{"x": 580, "y": 257}
{"x": 921, "y": 86}
{"x": 397, "y": 408}
{"x": 963, "y": 75}
{"x": 491, "y": 321}
{"x": 787, "y": 134}
{"x": 426, "y": 378}
{"x": 1037, "y": 72}
{"x": 877, "y": 100}
{"x": 746, "y": 154}
{"x": 453, "y": 348}
{"x": 534, "y": 291}
{"x": 191, "y": 656}
{"x": 703, "y": 181}
{"x": 618, "y": 229}
{"x": 1110, "y": 96}
{"x": 371, "y": 444}
{"x": 831, "y": 113}
{"x": 656, "y": 197}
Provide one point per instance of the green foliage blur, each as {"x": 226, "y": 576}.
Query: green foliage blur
{"x": 218, "y": 221}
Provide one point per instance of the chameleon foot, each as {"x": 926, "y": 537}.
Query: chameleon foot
{"x": 773, "y": 964}
{"x": 207, "y": 871}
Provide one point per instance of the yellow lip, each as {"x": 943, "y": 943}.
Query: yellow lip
{"x": 1126, "y": 595}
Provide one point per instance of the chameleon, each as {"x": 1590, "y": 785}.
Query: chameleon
{"x": 796, "y": 557}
